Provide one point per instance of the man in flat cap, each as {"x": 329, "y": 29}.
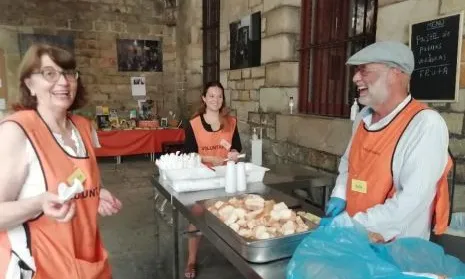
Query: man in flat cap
{"x": 393, "y": 175}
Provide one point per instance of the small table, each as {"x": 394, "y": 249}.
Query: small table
{"x": 119, "y": 143}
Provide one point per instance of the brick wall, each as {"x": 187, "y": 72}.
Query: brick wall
{"x": 95, "y": 26}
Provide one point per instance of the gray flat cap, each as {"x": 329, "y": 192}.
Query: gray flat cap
{"x": 393, "y": 54}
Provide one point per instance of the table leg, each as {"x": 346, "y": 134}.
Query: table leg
{"x": 175, "y": 244}
{"x": 158, "y": 257}
{"x": 118, "y": 160}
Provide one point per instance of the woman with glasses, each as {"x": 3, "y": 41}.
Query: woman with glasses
{"x": 43, "y": 146}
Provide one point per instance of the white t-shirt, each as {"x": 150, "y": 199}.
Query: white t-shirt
{"x": 35, "y": 181}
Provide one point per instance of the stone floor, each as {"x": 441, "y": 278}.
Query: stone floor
{"x": 130, "y": 236}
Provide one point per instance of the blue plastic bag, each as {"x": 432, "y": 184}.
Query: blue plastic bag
{"x": 343, "y": 250}
{"x": 458, "y": 221}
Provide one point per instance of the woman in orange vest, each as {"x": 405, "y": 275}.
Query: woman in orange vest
{"x": 43, "y": 146}
{"x": 212, "y": 133}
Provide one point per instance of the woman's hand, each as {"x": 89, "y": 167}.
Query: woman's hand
{"x": 232, "y": 155}
{"x": 108, "y": 204}
{"x": 55, "y": 209}
{"x": 216, "y": 161}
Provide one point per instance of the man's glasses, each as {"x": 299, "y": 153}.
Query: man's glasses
{"x": 52, "y": 75}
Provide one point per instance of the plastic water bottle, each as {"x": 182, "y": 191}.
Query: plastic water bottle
{"x": 254, "y": 134}
{"x": 354, "y": 110}
{"x": 291, "y": 105}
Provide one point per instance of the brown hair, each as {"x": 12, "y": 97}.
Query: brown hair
{"x": 31, "y": 63}
{"x": 224, "y": 110}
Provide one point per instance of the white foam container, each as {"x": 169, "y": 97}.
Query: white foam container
{"x": 189, "y": 174}
{"x": 253, "y": 172}
{"x": 191, "y": 185}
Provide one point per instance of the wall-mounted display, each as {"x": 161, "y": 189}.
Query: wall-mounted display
{"x": 245, "y": 38}
{"x": 139, "y": 56}
{"x": 62, "y": 41}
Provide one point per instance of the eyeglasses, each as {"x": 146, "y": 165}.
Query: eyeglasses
{"x": 52, "y": 75}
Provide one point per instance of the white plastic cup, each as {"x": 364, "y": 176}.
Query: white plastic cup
{"x": 241, "y": 177}
{"x": 231, "y": 177}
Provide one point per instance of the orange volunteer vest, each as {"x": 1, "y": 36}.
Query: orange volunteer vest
{"x": 370, "y": 179}
{"x": 62, "y": 250}
{"x": 209, "y": 143}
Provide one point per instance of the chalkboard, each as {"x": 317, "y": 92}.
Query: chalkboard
{"x": 436, "y": 45}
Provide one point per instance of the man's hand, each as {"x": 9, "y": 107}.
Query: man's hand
{"x": 376, "y": 237}
{"x": 108, "y": 204}
{"x": 335, "y": 206}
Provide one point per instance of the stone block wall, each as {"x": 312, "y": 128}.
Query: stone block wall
{"x": 406, "y": 12}
{"x": 189, "y": 60}
{"x": 258, "y": 94}
{"x": 95, "y": 26}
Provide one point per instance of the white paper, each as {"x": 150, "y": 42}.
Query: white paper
{"x": 2, "y": 104}
{"x": 66, "y": 193}
{"x": 138, "y": 86}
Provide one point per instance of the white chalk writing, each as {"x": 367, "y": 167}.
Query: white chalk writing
{"x": 439, "y": 70}
{"x": 429, "y": 48}
{"x": 422, "y": 39}
{"x": 436, "y": 24}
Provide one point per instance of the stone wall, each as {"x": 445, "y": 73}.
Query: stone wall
{"x": 95, "y": 26}
{"x": 189, "y": 56}
{"x": 408, "y": 11}
{"x": 258, "y": 96}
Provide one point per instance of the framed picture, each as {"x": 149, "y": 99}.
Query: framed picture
{"x": 245, "y": 38}
{"x": 139, "y": 56}
{"x": 164, "y": 122}
{"x": 64, "y": 41}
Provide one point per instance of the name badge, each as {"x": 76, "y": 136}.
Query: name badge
{"x": 77, "y": 174}
{"x": 359, "y": 186}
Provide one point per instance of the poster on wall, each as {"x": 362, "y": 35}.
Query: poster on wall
{"x": 62, "y": 41}
{"x": 245, "y": 38}
{"x": 138, "y": 86}
{"x": 139, "y": 55}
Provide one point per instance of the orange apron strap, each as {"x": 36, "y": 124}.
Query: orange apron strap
{"x": 442, "y": 202}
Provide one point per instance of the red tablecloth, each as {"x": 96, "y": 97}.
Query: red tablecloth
{"x": 132, "y": 142}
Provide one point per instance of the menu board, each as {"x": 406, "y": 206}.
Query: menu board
{"x": 436, "y": 46}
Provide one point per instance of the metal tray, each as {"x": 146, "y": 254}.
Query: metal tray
{"x": 257, "y": 251}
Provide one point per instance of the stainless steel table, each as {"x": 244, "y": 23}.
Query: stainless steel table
{"x": 182, "y": 203}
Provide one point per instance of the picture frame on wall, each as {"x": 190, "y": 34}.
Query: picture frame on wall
{"x": 164, "y": 122}
{"x": 139, "y": 55}
{"x": 245, "y": 38}
{"x": 62, "y": 41}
